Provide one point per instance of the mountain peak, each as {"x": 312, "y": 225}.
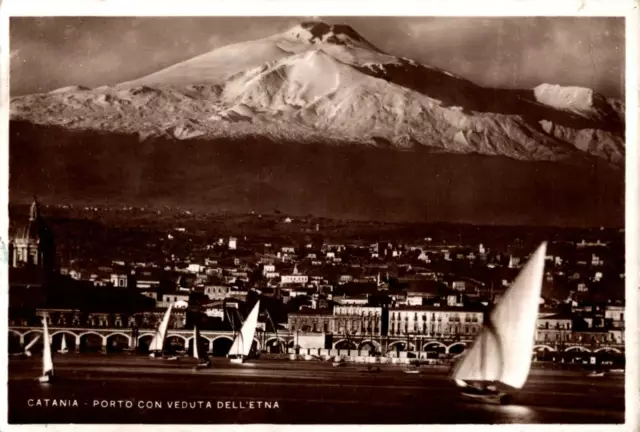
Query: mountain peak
{"x": 321, "y": 32}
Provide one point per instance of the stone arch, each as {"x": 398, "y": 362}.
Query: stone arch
{"x": 39, "y": 331}
{"x": 277, "y": 342}
{"x": 90, "y": 332}
{"x": 605, "y": 349}
{"x": 190, "y": 338}
{"x": 83, "y": 339}
{"x": 406, "y": 346}
{"x": 345, "y": 344}
{"x": 16, "y": 332}
{"x": 464, "y": 344}
{"x": 374, "y": 344}
{"x": 577, "y": 347}
{"x": 30, "y": 335}
{"x": 544, "y": 348}
{"x": 220, "y": 345}
{"x": 204, "y": 344}
{"x": 171, "y": 346}
{"x": 143, "y": 345}
{"x": 185, "y": 339}
{"x": 434, "y": 342}
{"x": 117, "y": 347}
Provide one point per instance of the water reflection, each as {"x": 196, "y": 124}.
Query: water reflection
{"x": 514, "y": 413}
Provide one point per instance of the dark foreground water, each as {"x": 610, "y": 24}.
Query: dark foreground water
{"x": 130, "y": 389}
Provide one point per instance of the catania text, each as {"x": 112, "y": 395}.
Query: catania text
{"x": 151, "y": 404}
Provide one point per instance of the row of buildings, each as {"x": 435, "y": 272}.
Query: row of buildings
{"x": 380, "y": 289}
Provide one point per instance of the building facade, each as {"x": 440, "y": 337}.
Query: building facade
{"x": 436, "y": 322}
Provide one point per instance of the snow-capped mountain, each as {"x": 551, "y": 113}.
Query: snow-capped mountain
{"x": 318, "y": 83}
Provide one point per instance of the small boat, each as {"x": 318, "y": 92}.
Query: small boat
{"x": 500, "y": 359}
{"x": 26, "y": 352}
{"x": 172, "y": 358}
{"x": 616, "y": 371}
{"x": 156, "y": 347}
{"x": 241, "y": 346}
{"x": 339, "y": 362}
{"x": 63, "y": 347}
{"x": 203, "y": 360}
{"x": 412, "y": 371}
{"x": 595, "y": 374}
{"x": 47, "y": 359}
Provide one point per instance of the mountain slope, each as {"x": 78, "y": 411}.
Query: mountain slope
{"x": 317, "y": 82}
{"x": 255, "y": 174}
{"x": 318, "y": 120}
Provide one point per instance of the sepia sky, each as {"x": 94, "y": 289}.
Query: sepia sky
{"x": 49, "y": 53}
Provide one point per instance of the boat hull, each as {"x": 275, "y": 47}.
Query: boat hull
{"x": 237, "y": 360}
{"x": 45, "y": 379}
{"x": 494, "y": 398}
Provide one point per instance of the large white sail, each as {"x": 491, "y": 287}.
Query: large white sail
{"x": 196, "y": 339}
{"x": 244, "y": 339}
{"x": 503, "y": 350}
{"x": 63, "y": 346}
{"x": 157, "y": 343}
{"x": 47, "y": 360}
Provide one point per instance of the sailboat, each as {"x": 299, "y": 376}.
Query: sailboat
{"x": 203, "y": 361}
{"x": 47, "y": 360}
{"x": 241, "y": 346}
{"x": 26, "y": 351}
{"x": 499, "y": 361}
{"x": 157, "y": 343}
{"x": 63, "y": 346}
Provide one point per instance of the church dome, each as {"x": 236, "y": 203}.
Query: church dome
{"x": 35, "y": 229}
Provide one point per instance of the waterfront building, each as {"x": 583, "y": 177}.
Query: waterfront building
{"x": 433, "y": 321}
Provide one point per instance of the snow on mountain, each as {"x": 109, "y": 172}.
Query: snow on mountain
{"x": 322, "y": 83}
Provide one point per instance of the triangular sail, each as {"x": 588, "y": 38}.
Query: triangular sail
{"x": 47, "y": 360}
{"x": 32, "y": 343}
{"x": 157, "y": 343}
{"x": 503, "y": 350}
{"x": 196, "y": 339}
{"x": 63, "y": 346}
{"x": 244, "y": 339}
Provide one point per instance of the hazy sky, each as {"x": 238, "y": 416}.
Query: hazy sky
{"x": 48, "y": 53}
